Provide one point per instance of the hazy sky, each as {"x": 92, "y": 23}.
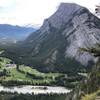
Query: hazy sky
{"x": 20, "y": 12}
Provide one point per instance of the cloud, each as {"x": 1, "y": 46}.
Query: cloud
{"x": 7, "y": 6}
{"x": 6, "y": 3}
{"x": 34, "y": 11}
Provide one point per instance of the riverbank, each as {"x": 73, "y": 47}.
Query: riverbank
{"x": 16, "y": 96}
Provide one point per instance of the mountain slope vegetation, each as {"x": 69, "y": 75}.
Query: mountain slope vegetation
{"x": 55, "y": 46}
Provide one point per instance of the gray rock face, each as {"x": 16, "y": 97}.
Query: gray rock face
{"x": 63, "y": 14}
{"x": 71, "y": 27}
{"x": 84, "y": 36}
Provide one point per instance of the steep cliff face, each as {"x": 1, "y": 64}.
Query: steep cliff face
{"x": 58, "y": 41}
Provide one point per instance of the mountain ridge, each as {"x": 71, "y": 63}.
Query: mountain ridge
{"x": 10, "y": 33}
{"x": 55, "y": 46}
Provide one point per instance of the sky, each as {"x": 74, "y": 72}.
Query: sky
{"x": 27, "y": 12}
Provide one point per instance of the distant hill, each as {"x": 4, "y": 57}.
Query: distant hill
{"x": 10, "y": 33}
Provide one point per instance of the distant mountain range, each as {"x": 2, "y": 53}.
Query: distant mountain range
{"x": 55, "y": 46}
{"x": 10, "y": 33}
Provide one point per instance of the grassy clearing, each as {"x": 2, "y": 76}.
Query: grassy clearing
{"x": 91, "y": 96}
{"x": 26, "y": 74}
{"x": 3, "y": 62}
{"x": 26, "y": 69}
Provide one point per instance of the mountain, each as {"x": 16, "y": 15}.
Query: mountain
{"x": 55, "y": 46}
{"x": 10, "y": 33}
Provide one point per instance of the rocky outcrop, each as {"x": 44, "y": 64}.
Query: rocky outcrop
{"x": 58, "y": 41}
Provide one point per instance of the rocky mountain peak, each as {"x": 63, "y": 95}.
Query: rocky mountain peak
{"x": 70, "y": 7}
{"x": 57, "y": 42}
{"x": 65, "y": 12}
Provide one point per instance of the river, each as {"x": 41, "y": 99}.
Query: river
{"x": 35, "y": 89}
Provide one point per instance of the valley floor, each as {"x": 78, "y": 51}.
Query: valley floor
{"x": 12, "y": 74}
